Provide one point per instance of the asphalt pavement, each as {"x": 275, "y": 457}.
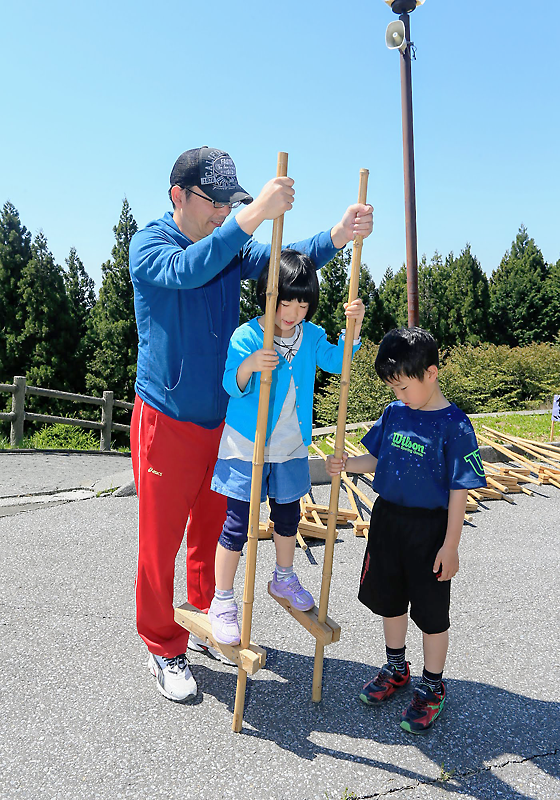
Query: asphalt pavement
{"x": 81, "y": 717}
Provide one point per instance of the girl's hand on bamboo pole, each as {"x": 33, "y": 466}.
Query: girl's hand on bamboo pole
{"x": 357, "y": 220}
{"x": 275, "y": 198}
{"x": 257, "y": 362}
{"x": 356, "y": 311}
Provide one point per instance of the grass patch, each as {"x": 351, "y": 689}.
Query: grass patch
{"x": 27, "y": 443}
{"x": 445, "y": 774}
{"x": 60, "y": 437}
{"x": 64, "y": 437}
{"x": 354, "y": 437}
{"x": 528, "y": 426}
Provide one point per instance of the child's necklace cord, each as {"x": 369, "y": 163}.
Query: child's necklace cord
{"x": 288, "y": 349}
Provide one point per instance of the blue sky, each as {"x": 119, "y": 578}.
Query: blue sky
{"x": 99, "y": 98}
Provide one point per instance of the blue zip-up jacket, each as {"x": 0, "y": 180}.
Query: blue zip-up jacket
{"x": 186, "y": 300}
{"x": 315, "y": 351}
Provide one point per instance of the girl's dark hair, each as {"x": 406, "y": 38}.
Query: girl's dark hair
{"x": 406, "y": 351}
{"x": 297, "y": 280}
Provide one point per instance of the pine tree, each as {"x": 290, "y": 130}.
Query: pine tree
{"x": 433, "y": 301}
{"x": 333, "y": 294}
{"x": 372, "y": 326}
{"x": 81, "y": 300}
{"x": 43, "y": 321}
{"x": 393, "y": 294}
{"x": 112, "y": 330}
{"x": 518, "y": 293}
{"x": 80, "y": 290}
{"x": 553, "y": 295}
{"x": 248, "y": 308}
{"x": 15, "y": 253}
{"x": 468, "y": 301}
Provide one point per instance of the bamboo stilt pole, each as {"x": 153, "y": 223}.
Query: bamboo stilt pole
{"x": 353, "y": 449}
{"x": 533, "y": 450}
{"x": 314, "y": 513}
{"x": 526, "y": 478}
{"x": 359, "y": 519}
{"x": 258, "y": 453}
{"x": 546, "y": 447}
{"x": 340, "y": 432}
{"x": 515, "y": 457}
{"x": 550, "y": 479}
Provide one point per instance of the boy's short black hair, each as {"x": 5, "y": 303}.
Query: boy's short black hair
{"x": 297, "y": 280}
{"x": 406, "y": 351}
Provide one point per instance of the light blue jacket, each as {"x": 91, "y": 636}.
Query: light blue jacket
{"x": 315, "y": 351}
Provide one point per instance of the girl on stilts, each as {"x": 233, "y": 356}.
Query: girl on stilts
{"x": 299, "y": 347}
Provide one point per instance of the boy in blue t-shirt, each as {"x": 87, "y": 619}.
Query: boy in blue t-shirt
{"x": 425, "y": 456}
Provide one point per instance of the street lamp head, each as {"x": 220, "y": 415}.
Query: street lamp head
{"x": 403, "y": 6}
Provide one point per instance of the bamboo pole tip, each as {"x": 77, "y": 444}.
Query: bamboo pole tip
{"x": 282, "y": 167}
{"x": 362, "y": 191}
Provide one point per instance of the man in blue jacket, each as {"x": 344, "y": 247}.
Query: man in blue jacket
{"x": 186, "y": 270}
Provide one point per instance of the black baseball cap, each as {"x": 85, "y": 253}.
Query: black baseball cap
{"x": 211, "y": 169}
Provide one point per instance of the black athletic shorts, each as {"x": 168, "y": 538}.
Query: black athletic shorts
{"x": 398, "y": 565}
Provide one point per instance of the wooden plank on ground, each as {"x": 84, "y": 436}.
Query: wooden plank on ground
{"x": 265, "y": 530}
{"x": 344, "y": 514}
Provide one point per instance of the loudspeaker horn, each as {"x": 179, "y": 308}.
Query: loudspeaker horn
{"x": 395, "y": 36}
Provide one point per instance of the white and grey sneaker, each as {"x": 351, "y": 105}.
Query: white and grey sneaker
{"x": 198, "y": 646}
{"x": 174, "y": 678}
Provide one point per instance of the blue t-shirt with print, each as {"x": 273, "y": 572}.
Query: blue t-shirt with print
{"x": 422, "y": 455}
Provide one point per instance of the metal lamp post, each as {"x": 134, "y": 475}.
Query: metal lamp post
{"x": 397, "y": 37}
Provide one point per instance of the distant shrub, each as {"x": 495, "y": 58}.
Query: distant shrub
{"x": 367, "y": 395}
{"x": 499, "y": 378}
{"x": 64, "y": 437}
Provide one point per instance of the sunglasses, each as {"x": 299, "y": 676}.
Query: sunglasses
{"x": 215, "y": 203}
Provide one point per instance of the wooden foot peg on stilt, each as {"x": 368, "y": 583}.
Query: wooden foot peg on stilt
{"x": 325, "y": 632}
{"x": 251, "y": 659}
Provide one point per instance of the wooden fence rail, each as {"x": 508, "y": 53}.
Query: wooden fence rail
{"x": 18, "y": 415}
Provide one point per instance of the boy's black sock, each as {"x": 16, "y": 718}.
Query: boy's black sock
{"x": 432, "y": 679}
{"x": 396, "y": 658}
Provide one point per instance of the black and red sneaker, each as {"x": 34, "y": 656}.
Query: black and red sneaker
{"x": 387, "y": 681}
{"x": 425, "y": 708}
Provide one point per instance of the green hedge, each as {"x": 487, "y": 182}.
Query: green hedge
{"x": 367, "y": 395}
{"x": 479, "y": 378}
{"x": 499, "y": 378}
{"x": 64, "y": 437}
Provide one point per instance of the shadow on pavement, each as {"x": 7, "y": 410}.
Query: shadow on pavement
{"x": 482, "y": 725}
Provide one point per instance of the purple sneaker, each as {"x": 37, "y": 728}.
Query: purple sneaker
{"x": 223, "y": 616}
{"x": 292, "y": 591}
